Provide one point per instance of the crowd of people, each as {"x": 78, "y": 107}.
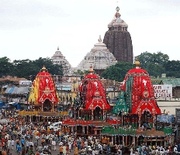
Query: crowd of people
{"x": 18, "y": 137}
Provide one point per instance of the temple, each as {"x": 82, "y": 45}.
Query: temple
{"x": 59, "y": 59}
{"x": 118, "y": 39}
{"x": 140, "y": 93}
{"x": 99, "y": 58}
{"x": 89, "y": 113}
{"x": 137, "y": 109}
{"x": 43, "y": 95}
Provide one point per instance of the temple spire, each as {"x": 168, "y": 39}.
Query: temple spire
{"x": 91, "y": 70}
{"x": 99, "y": 40}
{"x": 117, "y": 14}
{"x": 43, "y": 69}
{"x": 137, "y": 63}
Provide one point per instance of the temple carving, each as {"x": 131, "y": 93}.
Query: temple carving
{"x": 118, "y": 39}
{"x": 99, "y": 58}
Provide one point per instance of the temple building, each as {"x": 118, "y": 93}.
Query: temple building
{"x": 43, "y": 99}
{"x": 59, "y": 59}
{"x": 89, "y": 114}
{"x": 118, "y": 39}
{"x": 99, "y": 58}
{"x": 138, "y": 111}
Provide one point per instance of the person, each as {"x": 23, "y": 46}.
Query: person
{"x": 60, "y": 150}
{"x": 53, "y": 144}
{"x": 12, "y": 144}
{"x": 30, "y": 151}
{"x": 175, "y": 149}
{"x": 119, "y": 152}
{"x": 23, "y": 150}
{"x": 18, "y": 148}
{"x": 76, "y": 151}
{"x": 70, "y": 146}
{"x": 37, "y": 153}
{"x": 43, "y": 142}
{"x": 3, "y": 152}
{"x": 178, "y": 148}
{"x": 64, "y": 150}
{"x": 22, "y": 141}
{"x": 131, "y": 151}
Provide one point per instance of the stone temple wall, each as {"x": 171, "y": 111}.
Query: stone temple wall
{"x": 120, "y": 44}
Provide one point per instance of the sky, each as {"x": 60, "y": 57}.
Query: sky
{"x": 30, "y": 29}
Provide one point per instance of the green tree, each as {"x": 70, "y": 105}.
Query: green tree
{"x": 6, "y": 67}
{"x": 172, "y": 68}
{"x": 29, "y": 69}
{"x": 155, "y": 70}
{"x": 160, "y": 58}
{"x": 52, "y": 68}
{"x": 22, "y": 68}
{"x": 154, "y": 63}
{"x": 117, "y": 72}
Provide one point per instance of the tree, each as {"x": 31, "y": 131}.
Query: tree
{"x": 117, "y": 72}
{"x": 153, "y": 62}
{"x": 29, "y": 69}
{"x": 22, "y": 68}
{"x": 155, "y": 70}
{"x": 160, "y": 58}
{"x": 172, "y": 68}
{"x": 54, "y": 69}
{"x": 6, "y": 67}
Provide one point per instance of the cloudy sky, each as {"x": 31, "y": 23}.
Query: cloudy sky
{"x": 30, "y": 29}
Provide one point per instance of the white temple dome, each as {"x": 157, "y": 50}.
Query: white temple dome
{"x": 59, "y": 58}
{"x": 99, "y": 58}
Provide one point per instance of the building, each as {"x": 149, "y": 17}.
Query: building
{"x": 118, "y": 39}
{"x": 59, "y": 59}
{"x": 99, "y": 58}
{"x": 141, "y": 117}
{"x": 174, "y": 82}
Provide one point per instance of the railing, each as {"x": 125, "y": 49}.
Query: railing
{"x": 42, "y": 113}
{"x": 120, "y": 130}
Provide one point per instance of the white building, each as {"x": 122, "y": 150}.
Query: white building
{"x": 59, "y": 59}
{"x": 99, "y": 58}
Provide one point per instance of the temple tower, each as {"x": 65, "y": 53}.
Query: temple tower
{"x": 59, "y": 58}
{"x": 118, "y": 39}
{"x": 93, "y": 96}
{"x": 139, "y": 92}
{"x": 99, "y": 58}
{"x": 43, "y": 95}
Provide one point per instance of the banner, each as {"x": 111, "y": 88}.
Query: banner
{"x": 163, "y": 92}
